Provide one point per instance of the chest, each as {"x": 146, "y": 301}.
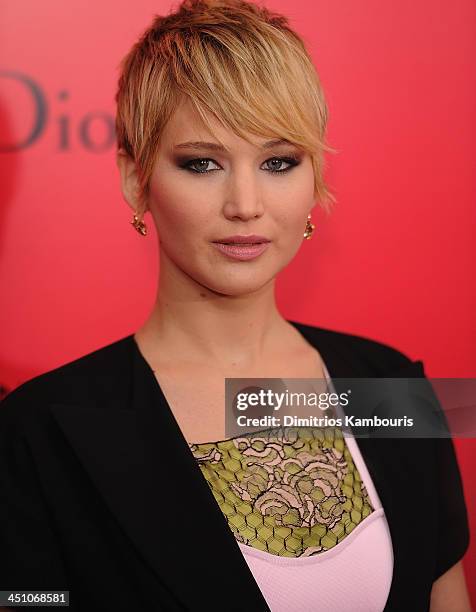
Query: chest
{"x": 196, "y": 395}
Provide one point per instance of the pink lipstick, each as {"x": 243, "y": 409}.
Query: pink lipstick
{"x": 242, "y": 247}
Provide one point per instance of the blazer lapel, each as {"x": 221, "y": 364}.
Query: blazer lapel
{"x": 398, "y": 468}
{"x": 141, "y": 464}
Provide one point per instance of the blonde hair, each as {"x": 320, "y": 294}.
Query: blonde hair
{"x": 235, "y": 59}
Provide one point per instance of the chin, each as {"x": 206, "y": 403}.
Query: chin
{"x": 235, "y": 285}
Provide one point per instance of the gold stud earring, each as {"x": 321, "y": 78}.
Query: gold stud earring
{"x": 140, "y": 226}
{"x": 310, "y": 227}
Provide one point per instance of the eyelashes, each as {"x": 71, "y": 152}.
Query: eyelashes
{"x": 291, "y": 160}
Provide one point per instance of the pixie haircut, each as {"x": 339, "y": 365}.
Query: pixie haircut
{"x": 231, "y": 58}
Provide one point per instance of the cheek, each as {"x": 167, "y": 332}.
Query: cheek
{"x": 177, "y": 209}
{"x": 291, "y": 216}
{"x": 295, "y": 200}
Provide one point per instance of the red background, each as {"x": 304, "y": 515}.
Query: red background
{"x": 394, "y": 261}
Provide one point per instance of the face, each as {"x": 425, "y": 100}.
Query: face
{"x": 200, "y": 194}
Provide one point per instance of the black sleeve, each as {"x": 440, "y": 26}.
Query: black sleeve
{"x": 453, "y": 528}
{"x": 30, "y": 553}
{"x": 452, "y": 532}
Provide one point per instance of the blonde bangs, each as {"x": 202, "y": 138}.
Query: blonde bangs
{"x": 233, "y": 60}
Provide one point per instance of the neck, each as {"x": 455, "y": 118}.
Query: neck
{"x": 228, "y": 330}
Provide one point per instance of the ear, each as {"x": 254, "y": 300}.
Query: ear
{"x": 129, "y": 179}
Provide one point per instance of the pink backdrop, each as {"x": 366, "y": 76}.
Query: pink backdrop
{"x": 395, "y": 261}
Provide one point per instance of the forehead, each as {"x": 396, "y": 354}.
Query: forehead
{"x": 186, "y": 125}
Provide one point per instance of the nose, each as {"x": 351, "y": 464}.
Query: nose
{"x": 244, "y": 200}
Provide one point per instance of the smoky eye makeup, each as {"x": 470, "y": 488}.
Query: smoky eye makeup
{"x": 191, "y": 162}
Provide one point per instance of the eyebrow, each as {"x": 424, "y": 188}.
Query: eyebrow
{"x": 213, "y": 146}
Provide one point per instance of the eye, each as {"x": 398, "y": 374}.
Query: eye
{"x": 201, "y": 164}
{"x": 291, "y": 161}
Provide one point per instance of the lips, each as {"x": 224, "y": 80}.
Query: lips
{"x": 242, "y": 243}
{"x": 244, "y": 240}
{"x": 242, "y": 251}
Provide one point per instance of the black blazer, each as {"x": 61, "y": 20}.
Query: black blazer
{"x": 99, "y": 490}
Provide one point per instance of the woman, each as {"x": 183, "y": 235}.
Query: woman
{"x": 119, "y": 482}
